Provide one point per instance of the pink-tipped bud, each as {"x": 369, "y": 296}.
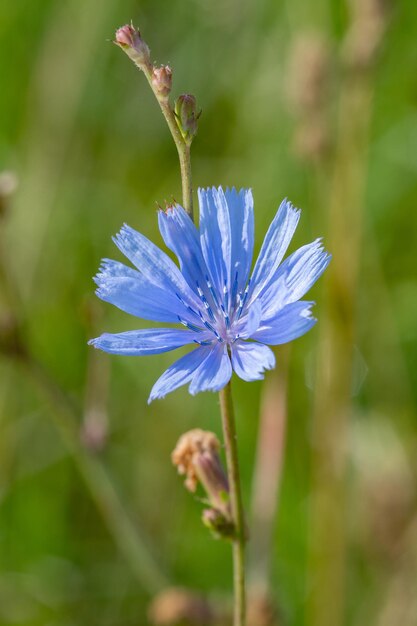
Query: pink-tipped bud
{"x": 129, "y": 39}
{"x": 162, "y": 80}
{"x": 187, "y": 116}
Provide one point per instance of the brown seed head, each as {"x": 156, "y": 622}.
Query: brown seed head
{"x": 180, "y": 606}
{"x": 190, "y": 446}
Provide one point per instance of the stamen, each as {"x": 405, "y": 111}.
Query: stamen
{"x": 234, "y": 288}
{"x": 226, "y": 317}
{"x": 213, "y": 293}
{"x": 243, "y": 300}
{"x": 206, "y": 342}
{"x": 205, "y": 302}
{"x": 186, "y": 305}
{"x": 213, "y": 330}
{"x": 225, "y": 295}
{"x": 207, "y": 307}
{"x": 210, "y": 327}
{"x": 189, "y": 325}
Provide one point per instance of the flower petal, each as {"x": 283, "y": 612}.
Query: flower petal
{"x": 295, "y": 277}
{"x": 216, "y": 236}
{"x": 131, "y": 292}
{"x": 154, "y": 264}
{"x": 214, "y": 373}
{"x": 249, "y": 323}
{"x": 250, "y": 360}
{"x": 274, "y": 247}
{"x": 179, "y": 373}
{"x": 240, "y": 205}
{"x": 181, "y": 236}
{"x": 292, "y": 321}
{"x": 146, "y": 341}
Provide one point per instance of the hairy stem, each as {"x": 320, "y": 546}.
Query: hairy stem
{"x": 182, "y": 147}
{"x": 229, "y": 433}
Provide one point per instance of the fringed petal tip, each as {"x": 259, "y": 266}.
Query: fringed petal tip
{"x": 226, "y": 191}
{"x": 307, "y": 311}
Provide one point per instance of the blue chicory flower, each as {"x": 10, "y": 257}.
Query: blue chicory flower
{"x": 228, "y": 316}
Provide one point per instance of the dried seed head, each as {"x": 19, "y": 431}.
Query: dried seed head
{"x": 129, "y": 39}
{"x": 196, "y": 456}
{"x": 162, "y": 80}
{"x": 193, "y": 442}
{"x": 180, "y": 606}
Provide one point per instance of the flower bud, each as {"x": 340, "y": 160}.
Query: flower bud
{"x": 129, "y": 39}
{"x": 162, "y": 80}
{"x": 220, "y": 526}
{"x": 187, "y": 116}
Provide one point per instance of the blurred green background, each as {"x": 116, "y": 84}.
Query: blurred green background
{"x": 313, "y": 101}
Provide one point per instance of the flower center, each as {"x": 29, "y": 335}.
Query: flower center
{"x": 219, "y": 314}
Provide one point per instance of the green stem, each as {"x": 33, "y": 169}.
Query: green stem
{"x": 182, "y": 146}
{"x": 229, "y": 433}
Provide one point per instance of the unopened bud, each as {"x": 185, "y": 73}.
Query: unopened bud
{"x": 220, "y": 526}
{"x": 187, "y": 116}
{"x": 129, "y": 39}
{"x": 162, "y": 80}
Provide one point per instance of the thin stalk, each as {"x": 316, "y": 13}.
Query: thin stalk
{"x": 182, "y": 146}
{"x": 229, "y": 433}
